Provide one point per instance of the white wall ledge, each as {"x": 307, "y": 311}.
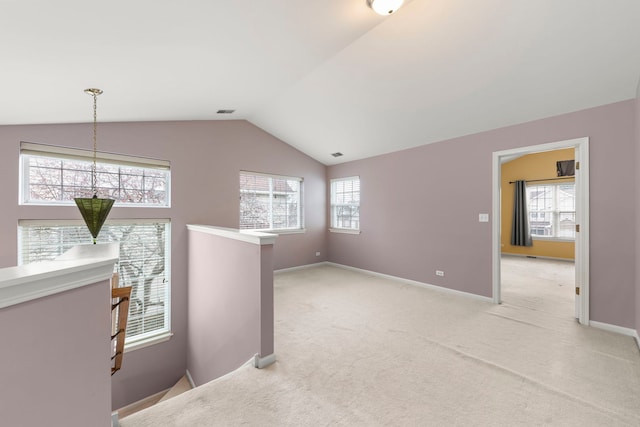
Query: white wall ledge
{"x": 255, "y": 237}
{"x": 80, "y": 266}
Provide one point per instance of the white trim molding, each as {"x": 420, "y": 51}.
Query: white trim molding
{"x": 148, "y": 342}
{"x": 344, "y": 231}
{"x": 414, "y": 283}
{"x": 614, "y": 328}
{"x": 581, "y": 147}
{"x": 190, "y": 379}
{"x": 263, "y": 362}
{"x": 618, "y": 330}
{"x": 507, "y": 254}
{"x": 255, "y": 237}
{"x": 299, "y": 267}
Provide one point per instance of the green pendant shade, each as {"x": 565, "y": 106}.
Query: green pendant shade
{"x": 94, "y": 212}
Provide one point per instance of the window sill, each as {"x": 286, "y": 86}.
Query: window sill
{"x": 115, "y": 205}
{"x": 344, "y": 231}
{"x": 553, "y": 239}
{"x": 147, "y": 342}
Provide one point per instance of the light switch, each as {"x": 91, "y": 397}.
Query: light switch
{"x": 483, "y": 218}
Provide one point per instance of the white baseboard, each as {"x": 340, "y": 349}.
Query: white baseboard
{"x": 414, "y": 283}
{"x": 615, "y": 328}
{"x": 114, "y": 420}
{"x": 538, "y": 256}
{"x": 135, "y": 406}
{"x": 190, "y": 379}
{"x": 300, "y": 267}
{"x": 263, "y": 362}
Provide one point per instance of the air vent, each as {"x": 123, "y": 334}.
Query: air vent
{"x": 336, "y": 154}
{"x": 226, "y": 111}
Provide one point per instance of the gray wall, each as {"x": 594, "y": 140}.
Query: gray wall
{"x": 46, "y": 377}
{"x": 230, "y": 304}
{"x": 419, "y": 208}
{"x": 206, "y": 157}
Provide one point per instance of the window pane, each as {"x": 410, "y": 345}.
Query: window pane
{"x": 345, "y": 203}
{"x": 52, "y": 180}
{"x": 270, "y": 202}
{"x": 552, "y": 210}
{"x": 567, "y": 225}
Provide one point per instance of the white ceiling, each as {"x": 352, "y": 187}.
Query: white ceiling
{"x": 323, "y": 76}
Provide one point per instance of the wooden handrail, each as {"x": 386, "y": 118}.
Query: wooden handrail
{"x": 119, "y": 314}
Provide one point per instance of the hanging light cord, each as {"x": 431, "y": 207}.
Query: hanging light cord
{"x": 94, "y": 182}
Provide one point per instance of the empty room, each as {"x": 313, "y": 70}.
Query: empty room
{"x": 348, "y": 212}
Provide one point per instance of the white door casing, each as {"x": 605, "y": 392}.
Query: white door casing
{"x": 581, "y": 146}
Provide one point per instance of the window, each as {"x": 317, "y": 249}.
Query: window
{"x": 270, "y": 202}
{"x": 345, "y": 204}
{"x": 56, "y": 175}
{"x": 552, "y": 211}
{"x": 144, "y": 264}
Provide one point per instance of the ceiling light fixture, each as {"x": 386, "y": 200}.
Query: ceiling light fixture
{"x": 385, "y": 7}
{"x": 94, "y": 210}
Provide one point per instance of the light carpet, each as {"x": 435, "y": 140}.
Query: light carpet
{"x": 355, "y": 349}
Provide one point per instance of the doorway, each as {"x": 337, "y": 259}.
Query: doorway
{"x": 581, "y": 147}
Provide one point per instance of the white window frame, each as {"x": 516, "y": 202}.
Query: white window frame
{"x": 554, "y": 212}
{"x": 335, "y": 205}
{"x": 271, "y": 192}
{"x": 131, "y": 342}
{"x": 30, "y": 150}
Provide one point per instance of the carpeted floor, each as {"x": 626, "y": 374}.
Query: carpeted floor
{"x": 359, "y": 350}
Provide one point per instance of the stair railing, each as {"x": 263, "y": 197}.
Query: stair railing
{"x": 120, "y": 297}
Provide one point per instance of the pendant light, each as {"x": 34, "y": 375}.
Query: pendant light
{"x": 94, "y": 210}
{"x": 385, "y": 7}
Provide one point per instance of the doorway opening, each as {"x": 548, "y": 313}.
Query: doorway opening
{"x": 581, "y": 251}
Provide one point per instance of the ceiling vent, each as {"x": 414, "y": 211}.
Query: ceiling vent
{"x": 226, "y": 111}
{"x": 336, "y": 154}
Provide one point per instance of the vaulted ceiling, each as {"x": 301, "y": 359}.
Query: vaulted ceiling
{"x": 323, "y": 76}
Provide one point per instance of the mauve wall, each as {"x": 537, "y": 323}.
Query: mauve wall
{"x": 206, "y": 157}
{"x": 230, "y": 304}
{"x": 419, "y": 208}
{"x": 47, "y": 378}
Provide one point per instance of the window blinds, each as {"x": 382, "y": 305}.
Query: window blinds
{"x": 144, "y": 263}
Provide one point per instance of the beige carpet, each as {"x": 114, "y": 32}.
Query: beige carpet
{"x": 358, "y": 350}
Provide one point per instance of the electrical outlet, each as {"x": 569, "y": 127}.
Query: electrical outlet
{"x": 317, "y": 253}
{"x": 440, "y": 273}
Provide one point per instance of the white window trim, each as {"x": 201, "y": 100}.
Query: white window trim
{"x": 66, "y": 153}
{"x": 101, "y": 156}
{"x": 333, "y": 229}
{"x": 148, "y": 342}
{"x": 552, "y": 239}
{"x": 143, "y": 341}
{"x": 301, "y": 204}
{"x": 553, "y": 212}
{"x": 345, "y": 230}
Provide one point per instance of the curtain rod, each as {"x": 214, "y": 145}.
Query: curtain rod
{"x": 547, "y": 179}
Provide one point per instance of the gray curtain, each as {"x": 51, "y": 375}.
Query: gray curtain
{"x": 520, "y": 233}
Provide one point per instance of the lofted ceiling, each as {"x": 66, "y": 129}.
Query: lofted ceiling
{"x": 323, "y": 76}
